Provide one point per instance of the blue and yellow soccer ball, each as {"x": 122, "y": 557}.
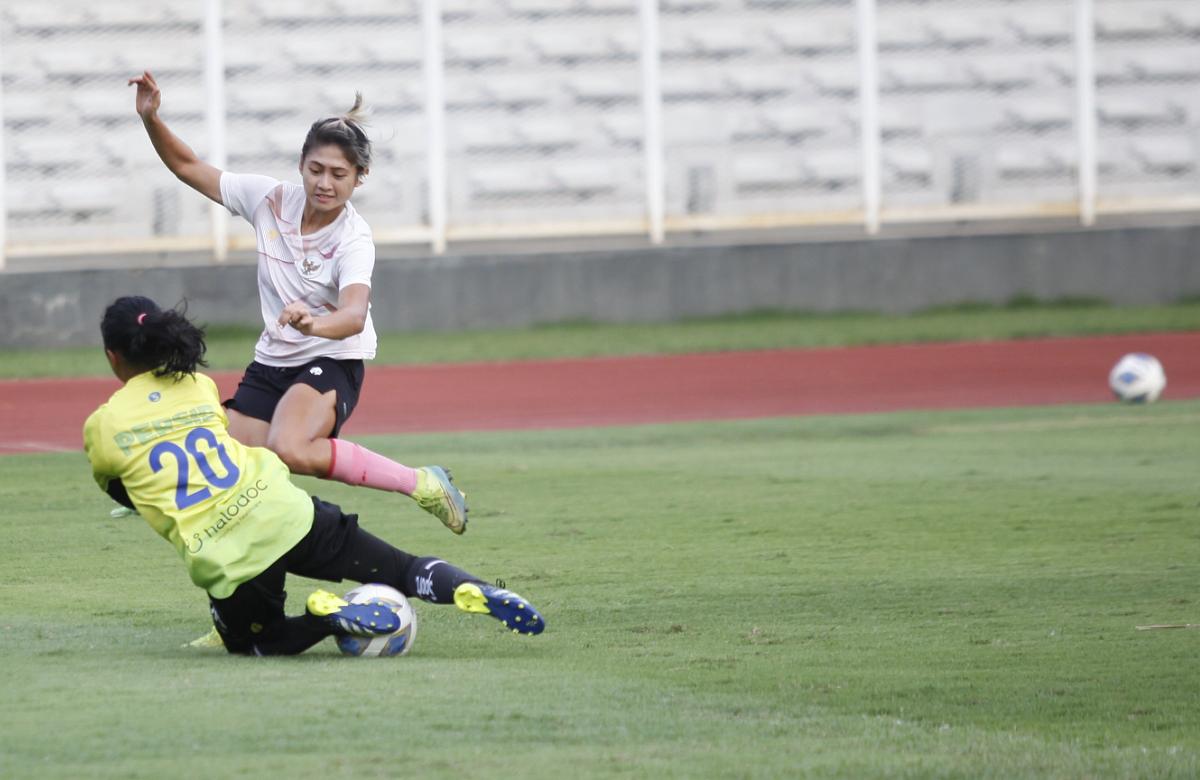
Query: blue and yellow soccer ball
{"x": 396, "y": 643}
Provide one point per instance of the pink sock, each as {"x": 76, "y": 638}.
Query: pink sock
{"x": 356, "y": 465}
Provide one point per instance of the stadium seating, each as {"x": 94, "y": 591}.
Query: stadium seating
{"x": 761, "y": 95}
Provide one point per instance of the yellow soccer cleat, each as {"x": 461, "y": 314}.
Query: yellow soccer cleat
{"x": 438, "y": 496}
{"x": 211, "y": 639}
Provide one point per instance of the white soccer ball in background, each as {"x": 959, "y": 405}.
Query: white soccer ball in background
{"x": 1137, "y": 378}
{"x": 397, "y": 643}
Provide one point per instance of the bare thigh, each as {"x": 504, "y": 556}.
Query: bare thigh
{"x": 248, "y": 430}
{"x": 299, "y": 430}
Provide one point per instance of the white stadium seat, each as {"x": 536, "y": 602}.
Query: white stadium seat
{"x": 903, "y": 31}
{"x": 1038, "y": 115}
{"x": 813, "y": 36}
{"x": 1041, "y": 26}
{"x": 1135, "y": 111}
{"x": 1116, "y": 22}
{"x": 762, "y": 85}
{"x": 1167, "y": 156}
{"x": 623, "y": 131}
{"x": 39, "y": 17}
{"x": 602, "y": 89}
{"x": 48, "y": 152}
{"x": 127, "y": 14}
{"x": 574, "y": 47}
{"x": 323, "y": 51}
{"x": 719, "y": 44}
{"x": 922, "y": 75}
{"x": 79, "y": 63}
{"x": 907, "y": 167}
{"x": 325, "y": 13}
{"x": 399, "y": 48}
{"x": 1033, "y": 161}
{"x": 476, "y": 50}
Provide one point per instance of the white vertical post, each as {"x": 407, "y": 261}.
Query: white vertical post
{"x": 214, "y": 113}
{"x": 1085, "y": 107}
{"x": 435, "y": 119}
{"x": 868, "y": 109}
{"x": 652, "y": 137}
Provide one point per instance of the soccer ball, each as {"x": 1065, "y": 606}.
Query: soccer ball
{"x": 1137, "y": 378}
{"x": 398, "y": 643}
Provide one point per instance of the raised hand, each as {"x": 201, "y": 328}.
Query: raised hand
{"x": 149, "y": 97}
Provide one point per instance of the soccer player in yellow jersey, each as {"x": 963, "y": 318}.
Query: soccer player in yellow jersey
{"x": 161, "y": 446}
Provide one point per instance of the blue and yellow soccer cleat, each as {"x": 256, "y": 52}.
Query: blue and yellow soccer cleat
{"x": 348, "y": 619}
{"x": 510, "y": 609}
{"x": 437, "y": 495}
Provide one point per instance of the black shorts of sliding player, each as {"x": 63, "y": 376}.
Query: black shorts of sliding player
{"x": 252, "y": 620}
{"x": 262, "y": 386}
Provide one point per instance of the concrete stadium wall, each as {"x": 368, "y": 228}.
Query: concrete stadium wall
{"x": 1123, "y": 266}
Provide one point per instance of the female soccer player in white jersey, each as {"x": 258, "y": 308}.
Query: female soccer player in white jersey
{"x": 315, "y": 258}
{"x": 161, "y": 445}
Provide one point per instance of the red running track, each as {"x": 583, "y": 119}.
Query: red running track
{"x": 47, "y": 415}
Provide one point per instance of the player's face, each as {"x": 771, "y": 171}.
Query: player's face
{"x": 329, "y": 178}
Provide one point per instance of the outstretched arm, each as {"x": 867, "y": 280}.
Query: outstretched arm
{"x": 177, "y": 155}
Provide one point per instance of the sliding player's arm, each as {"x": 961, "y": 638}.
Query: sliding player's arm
{"x": 108, "y": 482}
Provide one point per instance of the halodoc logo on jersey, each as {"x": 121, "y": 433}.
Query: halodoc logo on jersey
{"x": 230, "y": 511}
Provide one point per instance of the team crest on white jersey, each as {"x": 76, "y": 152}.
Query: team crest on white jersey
{"x": 310, "y": 266}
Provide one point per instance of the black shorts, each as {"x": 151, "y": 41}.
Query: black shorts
{"x": 334, "y": 549}
{"x": 262, "y": 386}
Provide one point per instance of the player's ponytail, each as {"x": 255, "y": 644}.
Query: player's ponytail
{"x": 345, "y": 131}
{"x": 152, "y": 338}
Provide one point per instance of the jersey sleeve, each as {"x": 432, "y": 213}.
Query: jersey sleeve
{"x": 242, "y": 192}
{"x": 357, "y": 264}
{"x": 93, "y": 447}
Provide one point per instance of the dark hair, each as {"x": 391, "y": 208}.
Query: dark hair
{"x": 346, "y": 131}
{"x": 152, "y": 338}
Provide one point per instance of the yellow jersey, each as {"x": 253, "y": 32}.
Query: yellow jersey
{"x": 229, "y": 510}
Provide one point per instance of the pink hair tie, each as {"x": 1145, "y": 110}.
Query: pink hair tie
{"x": 141, "y": 318}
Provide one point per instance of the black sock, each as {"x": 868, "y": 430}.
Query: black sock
{"x": 432, "y": 579}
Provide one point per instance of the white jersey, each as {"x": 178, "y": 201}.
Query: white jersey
{"x": 311, "y": 268}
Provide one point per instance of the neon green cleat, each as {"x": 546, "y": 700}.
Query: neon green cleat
{"x": 438, "y": 496}
{"x": 211, "y": 639}
{"x": 516, "y": 613}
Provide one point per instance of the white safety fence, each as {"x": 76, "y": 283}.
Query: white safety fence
{"x": 514, "y": 119}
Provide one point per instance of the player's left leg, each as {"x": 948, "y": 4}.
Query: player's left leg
{"x": 251, "y": 620}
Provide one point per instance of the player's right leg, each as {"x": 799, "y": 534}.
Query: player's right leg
{"x": 362, "y": 557}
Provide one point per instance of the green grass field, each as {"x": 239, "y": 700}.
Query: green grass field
{"x": 233, "y": 348}
{"x": 944, "y": 594}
